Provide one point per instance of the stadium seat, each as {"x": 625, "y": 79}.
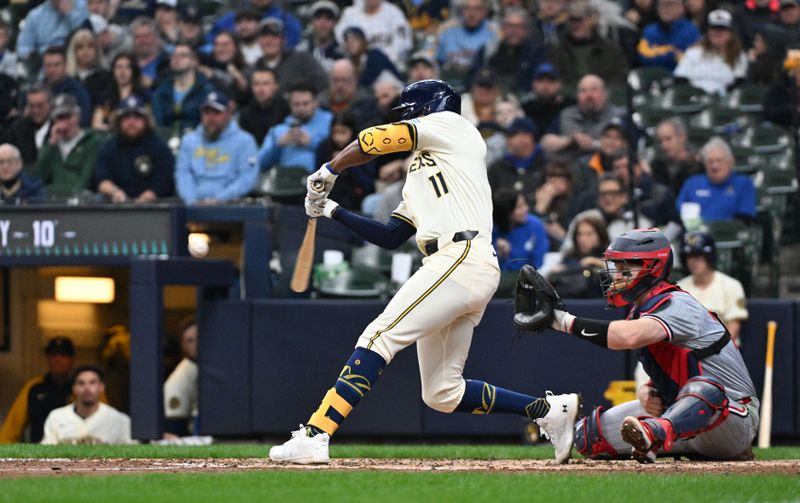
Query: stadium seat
{"x": 649, "y": 80}
{"x": 767, "y": 139}
{"x": 685, "y": 99}
{"x": 352, "y": 282}
{"x": 748, "y": 98}
{"x": 738, "y": 249}
{"x": 284, "y": 184}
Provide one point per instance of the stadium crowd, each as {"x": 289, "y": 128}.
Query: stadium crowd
{"x": 603, "y": 108}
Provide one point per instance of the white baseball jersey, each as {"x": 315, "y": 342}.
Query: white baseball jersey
{"x": 387, "y": 29}
{"x": 180, "y": 391}
{"x": 724, "y": 296}
{"x": 447, "y": 189}
{"x": 106, "y": 426}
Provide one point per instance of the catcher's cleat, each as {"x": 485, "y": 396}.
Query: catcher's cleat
{"x": 643, "y": 442}
{"x": 559, "y": 423}
{"x": 302, "y": 449}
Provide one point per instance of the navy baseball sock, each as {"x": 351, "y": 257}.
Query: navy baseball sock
{"x": 483, "y": 398}
{"x": 356, "y": 379}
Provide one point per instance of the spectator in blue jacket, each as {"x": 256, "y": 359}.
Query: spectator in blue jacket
{"x": 721, "y": 194}
{"x": 57, "y": 80}
{"x": 370, "y": 63}
{"x": 217, "y": 161}
{"x": 50, "y": 24}
{"x": 294, "y": 142}
{"x": 135, "y": 164}
{"x": 460, "y": 43}
{"x": 177, "y": 100}
{"x": 519, "y": 237}
{"x": 15, "y": 186}
{"x": 292, "y": 28}
{"x": 664, "y": 41}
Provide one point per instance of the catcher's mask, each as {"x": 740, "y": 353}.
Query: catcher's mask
{"x": 636, "y": 261}
{"x": 426, "y": 97}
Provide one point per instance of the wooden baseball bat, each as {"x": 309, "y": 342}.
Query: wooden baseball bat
{"x": 765, "y": 426}
{"x": 305, "y": 256}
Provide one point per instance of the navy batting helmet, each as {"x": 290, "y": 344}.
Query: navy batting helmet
{"x": 699, "y": 243}
{"x": 650, "y": 254}
{"x": 426, "y": 97}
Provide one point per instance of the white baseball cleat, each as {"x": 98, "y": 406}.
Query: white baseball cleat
{"x": 302, "y": 449}
{"x": 559, "y": 423}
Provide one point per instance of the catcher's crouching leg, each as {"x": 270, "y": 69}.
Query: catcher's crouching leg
{"x": 589, "y": 439}
{"x": 701, "y": 406}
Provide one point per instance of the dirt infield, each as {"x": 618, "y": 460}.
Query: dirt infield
{"x": 49, "y": 467}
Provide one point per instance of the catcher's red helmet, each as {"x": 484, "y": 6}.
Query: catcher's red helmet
{"x": 648, "y": 249}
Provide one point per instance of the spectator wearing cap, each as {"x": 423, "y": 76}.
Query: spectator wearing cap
{"x": 40, "y": 395}
{"x": 127, "y": 10}
{"x": 422, "y": 66}
{"x": 385, "y": 26}
{"x": 135, "y": 164}
{"x": 290, "y": 65}
{"x": 612, "y": 145}
{"x": 345, "y": 94}
{"x": 292, "y": 29}
{"x": 267, "y": 106}
{"x": 49, "y": 25}
{"x": 677, "y": 160}
{"x": 664, "y": 41}
{"x": 56, "y": 78}
{"x": 151, "y": 57}
{"x": 247, "y": 20}
{"x": 87, "y": 420}
{"x": 31, "y": 131}
{"x": 225, "y": 67}
{"x": 370, "y": 63}
{"x": 522, "y": 165}
{"x": 176, "y": 101}
{"x": 67, "y": 160}
{"x": 166, "y": 17}
{"x": 515, "y": 55}
{"x": 460, "y": 43}
{"x": 321, "y": 40}
{"x": 720, "y": 193}
{"x": 190, "y": 26}
{"x": 782, "y": 102}
{"x": 717, "y": 63}
{"x": 583, "y": 51}
{"x": 217, "y": 161}
{"x": 478, "y": 105}
{"x": 294, "y": 142}
{"x": 547, "y": 99}
{"x": 17, "y": 187}
{"x": 580, "y": 125}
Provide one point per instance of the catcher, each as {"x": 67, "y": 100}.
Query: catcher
{"x": 700, "y": 399}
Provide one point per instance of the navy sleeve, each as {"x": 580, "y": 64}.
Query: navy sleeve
{"x": 390, "y": 235}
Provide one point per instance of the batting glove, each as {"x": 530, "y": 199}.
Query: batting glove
{"x": 325, "y": 175}
{"x": 562, "y": 321}
{"x": 324, "y": 207}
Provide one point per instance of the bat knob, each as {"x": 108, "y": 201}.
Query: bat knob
{"x": 318, "y": 186}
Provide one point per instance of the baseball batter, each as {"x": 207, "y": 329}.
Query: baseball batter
{"x": 700, "y": 399}
{"x": 447, "y": 204}
{"x": 87, "y": 421}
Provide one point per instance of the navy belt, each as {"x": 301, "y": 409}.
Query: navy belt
{"x": 432, "y": 246}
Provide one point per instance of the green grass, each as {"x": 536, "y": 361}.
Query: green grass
{"x": 385, "y": 487}
{"x": 543, "y": 451}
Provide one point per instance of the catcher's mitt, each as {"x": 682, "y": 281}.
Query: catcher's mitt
{"x": 534, "y": 301}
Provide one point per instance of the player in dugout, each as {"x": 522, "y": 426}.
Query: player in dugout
{"x": 447, "y": 203}
{"x": 700, "y": 401}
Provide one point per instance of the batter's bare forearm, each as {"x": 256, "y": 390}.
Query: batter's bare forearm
{"x": 352, "y": 155}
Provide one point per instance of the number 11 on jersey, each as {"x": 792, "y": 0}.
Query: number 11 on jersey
{"x": 438, "y": 185}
